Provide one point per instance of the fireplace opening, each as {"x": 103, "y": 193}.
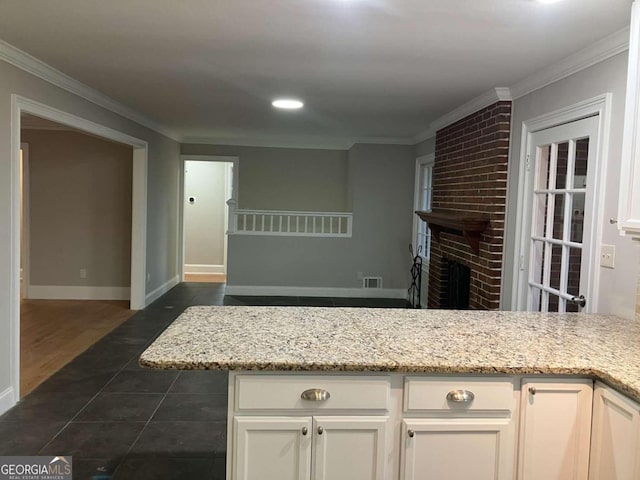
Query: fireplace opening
{"x": 457, "y": 285}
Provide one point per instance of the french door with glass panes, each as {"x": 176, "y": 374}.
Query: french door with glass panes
{"x": 560, "y": 170}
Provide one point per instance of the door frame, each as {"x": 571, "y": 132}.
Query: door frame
{"x": 234, "y": 195}
{"x": 19, "y": 105}
{"x": 601, "y": 106}
{"x": 25, "y": 244}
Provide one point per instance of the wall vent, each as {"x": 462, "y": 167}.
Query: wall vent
{"x": 372, "y": 282}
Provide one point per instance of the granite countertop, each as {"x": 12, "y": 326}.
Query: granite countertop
{"x": 396, "y": 340}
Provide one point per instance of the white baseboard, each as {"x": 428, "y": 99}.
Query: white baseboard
{"x": 315, "y": 292}
{"x": 161, "y": 290}
{"x": 193, "y": 268}
{"x": 7, "y": 400}
{"x": 58, "y": 292}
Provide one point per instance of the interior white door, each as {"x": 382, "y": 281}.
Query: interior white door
{"x": 560, "y": 204}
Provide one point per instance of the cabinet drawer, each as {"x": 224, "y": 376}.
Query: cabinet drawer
{"x": 276, "y": 392}
{"x": 439, "y": 394}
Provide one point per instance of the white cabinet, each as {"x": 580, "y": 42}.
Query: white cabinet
{"x": 310, "y": 427}
{"x": 458, "y": 427}
{"x": 344, "y": 448}
{"x": 615, "y": 430}
{"x": 349, "y": 448}
{"x": 629, "y": 204}
{"x": 272, "y": 447}
{"x": 450, "y": 449}
{"x": 555, "y": 427}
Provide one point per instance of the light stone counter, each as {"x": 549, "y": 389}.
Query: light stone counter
{"x": 396, "y": 340}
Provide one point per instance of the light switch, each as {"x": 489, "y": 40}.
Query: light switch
{"x": 608, "y": 256}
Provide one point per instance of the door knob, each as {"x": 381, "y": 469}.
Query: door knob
{"x": 579, "y": 301}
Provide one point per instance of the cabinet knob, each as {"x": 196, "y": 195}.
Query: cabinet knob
{"x": 315, "y": 395}
{"x": 411, "y": 433}
{"x": 305, "y": 430}
{"x": 460, "y": 396}
{"x": 320, "y": 430}
{"x": 532, "y": 390}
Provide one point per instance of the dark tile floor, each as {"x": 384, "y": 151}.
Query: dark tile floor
{"x": 120, "y": 421}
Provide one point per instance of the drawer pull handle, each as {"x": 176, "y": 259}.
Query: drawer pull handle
{"x": 320, "y": 430}
{"x": 315, "y": 395}
{"x": 460, "y": 396}
{"x": 532, "y": 390}
{"x": 411, "y": 433}
{"x": 305, "y": 430}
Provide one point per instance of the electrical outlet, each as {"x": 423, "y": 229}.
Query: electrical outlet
{"x": 360, "y": 276}
{"x": 83, "y": 273}
{"x": 608, "y": 256}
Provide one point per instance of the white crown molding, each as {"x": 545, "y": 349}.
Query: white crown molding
{"x": 603, "y": 49}
{"x": 585, "y": 58}
{"x": 322, "y": 143}
{"x": 488, "y": 98}
{"x": 46, "y": 72}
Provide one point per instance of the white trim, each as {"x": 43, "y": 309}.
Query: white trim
{"x": 603, "y": 49}
{"x": 21, "y": 104}
{"x": 69, "y": 292}
{"x": 162, "y": 289}
{"x": 315, "y": 292}
{"x": 190, "y": 269}
{"x": 7, "y": 400}
{"x": 25, "y": 245}
{"x": 46, "y": 72}
{"x": 233, "y": 195}
{"x": 472, "y": 106}
{"x": 598, "y": 52}
{"x": 323, "y": 143}
{"x": 601, "y": 106}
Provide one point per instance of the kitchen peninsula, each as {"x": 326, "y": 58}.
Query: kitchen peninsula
{"x": 386, "y": 394}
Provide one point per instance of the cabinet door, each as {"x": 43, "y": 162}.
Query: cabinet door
{"x": 555, "y": 429}
{"x": 272, "y": 448}
{"x": 614, "y": 441}
{"x": 451, "y": 449}
{"x": 349, "y": 448}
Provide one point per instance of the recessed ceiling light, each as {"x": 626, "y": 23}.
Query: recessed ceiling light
{"x": 287, "y": 103}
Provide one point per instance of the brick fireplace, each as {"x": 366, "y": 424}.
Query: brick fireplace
{"x": 470, "y": 178}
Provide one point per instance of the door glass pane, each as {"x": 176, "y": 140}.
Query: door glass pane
{"x": 537, "y": 265}
{"x": 558, "y": 216}
{"x": 540, "y": 214}
{"x": 562, "y": 165}
{"x": 580, "y": 169}
{"x": 554, "y": 303}
{"x": 574, "y": 264}
{"x": 556, "y": 266}
{"x": 577, "y": 217}
{"x": 544, "y": 167}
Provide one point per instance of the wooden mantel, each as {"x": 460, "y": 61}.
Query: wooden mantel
{"x": 471, "y": 225}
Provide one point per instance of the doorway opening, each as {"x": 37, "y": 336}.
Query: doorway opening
{"x": 207, "y": 187}
{"x": 22, "y": 260}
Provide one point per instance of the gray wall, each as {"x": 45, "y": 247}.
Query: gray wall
{"x": 163, "y": 180}
{"x": 617, "y": 287}
{"x": 80, "y": 209}
{"x": 425, "y": 147}
{"x": 381, "y": 184}
{"x": 204, "y": 220}
{"x": 286, "y": 178}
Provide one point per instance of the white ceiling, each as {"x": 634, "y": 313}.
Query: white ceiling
{"x": 364, "y": 68}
